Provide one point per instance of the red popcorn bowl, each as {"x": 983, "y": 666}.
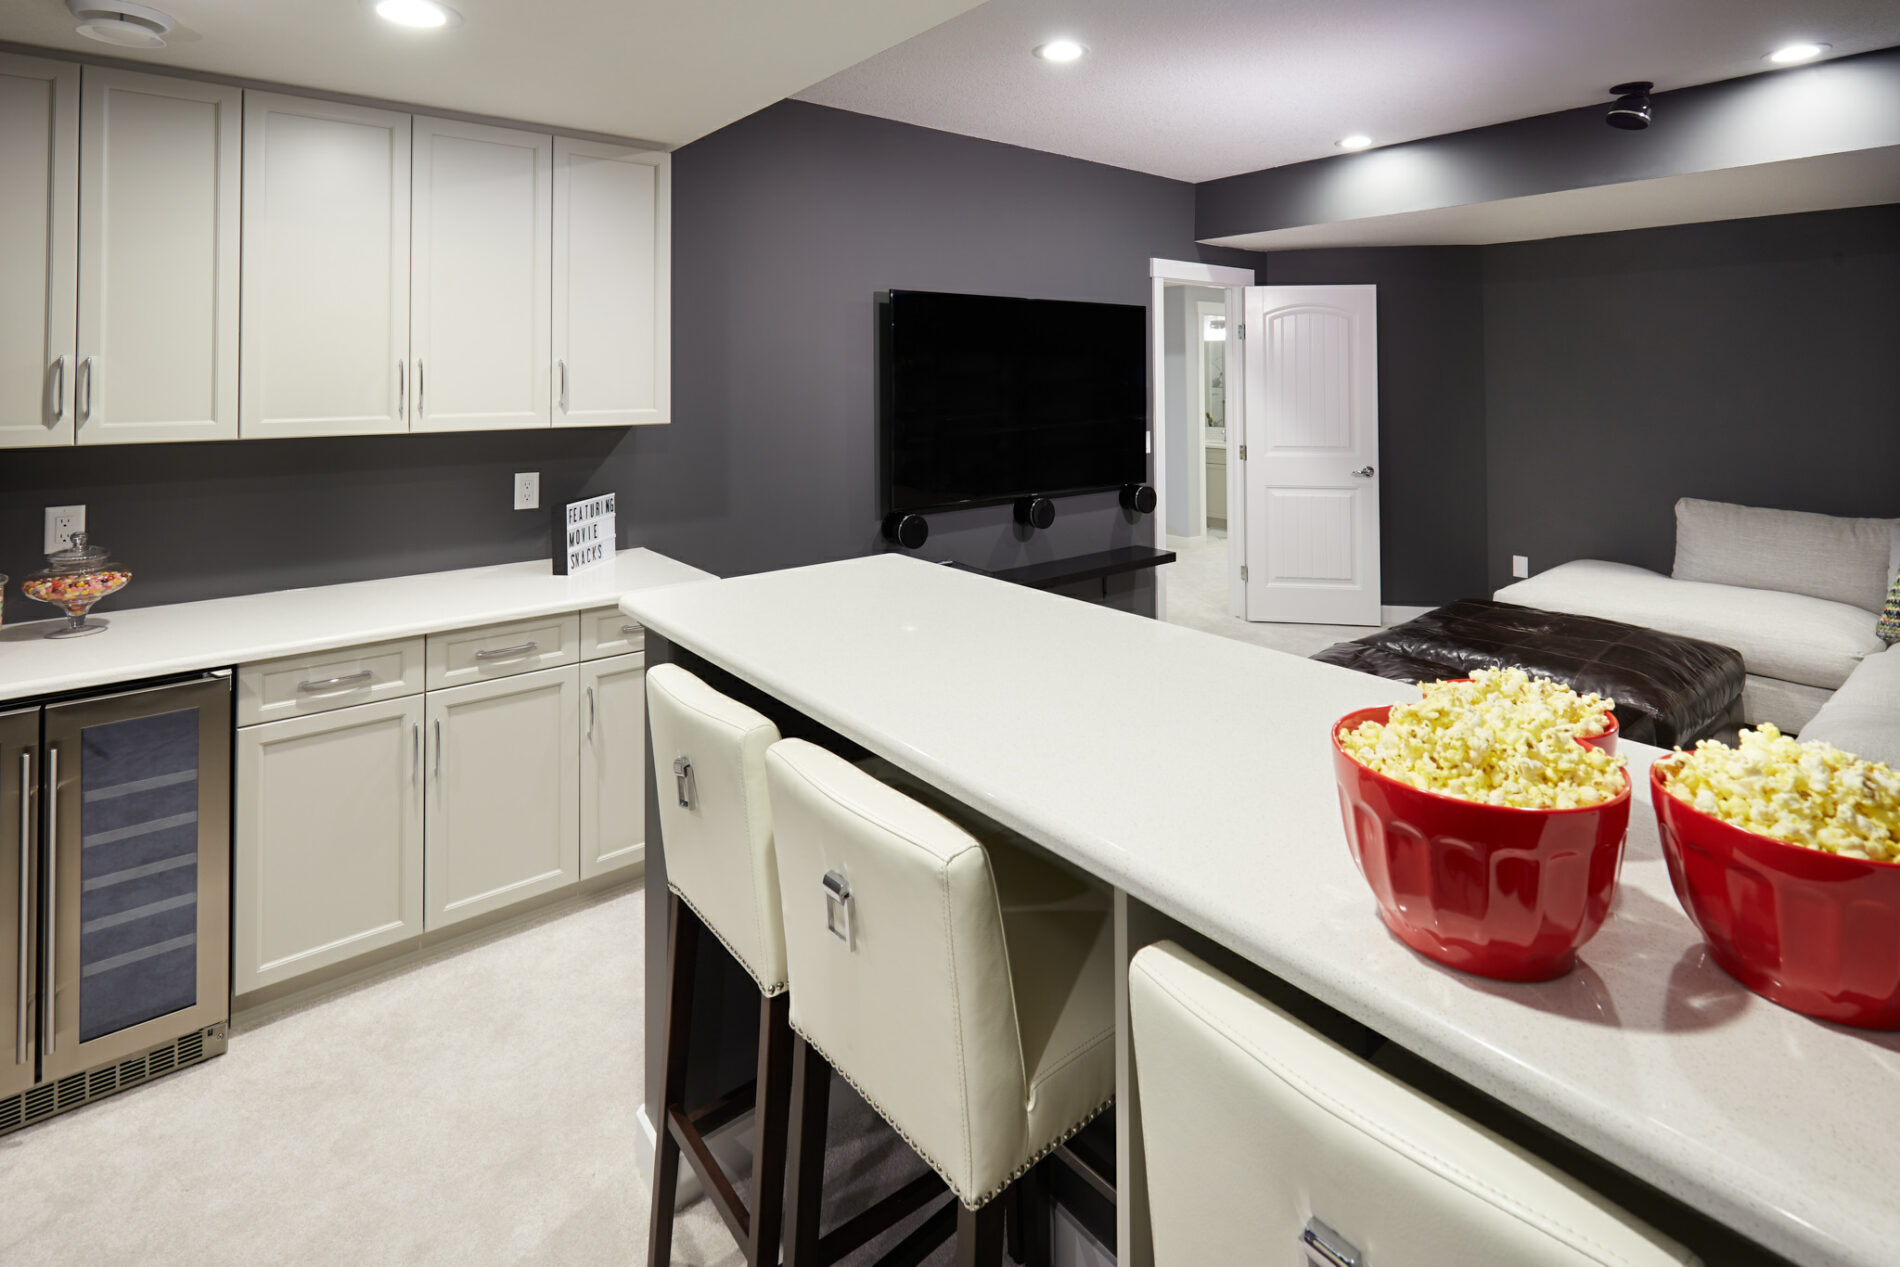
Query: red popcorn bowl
{"x": 1814, "y": 931}
{"x": 1492, "y": 890}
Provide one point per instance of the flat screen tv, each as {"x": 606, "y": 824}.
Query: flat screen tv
{"x": 989, "y": 399}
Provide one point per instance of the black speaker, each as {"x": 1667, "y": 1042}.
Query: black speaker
{"x": 909, "y": 531}
{"x": 1037, "y": 512}
{"x": 1139, "y": 498}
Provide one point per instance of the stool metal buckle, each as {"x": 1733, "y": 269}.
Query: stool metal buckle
{"x": 683, "y": 778}
{"x": 1327, "y": 1248}
{"x": 838, "y": 907}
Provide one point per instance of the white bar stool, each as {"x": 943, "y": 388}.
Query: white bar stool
{"x": 964, "y": 987}
{"x": 716, "y": 821}
{"x": 1260, "y": 1133}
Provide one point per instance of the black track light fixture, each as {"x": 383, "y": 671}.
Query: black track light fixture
{"x": 1630, "y": 110}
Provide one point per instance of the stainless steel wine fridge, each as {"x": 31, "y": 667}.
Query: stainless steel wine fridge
{"x": 115, "y": 899}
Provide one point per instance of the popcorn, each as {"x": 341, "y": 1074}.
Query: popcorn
{"x": 1808, "y": 794}
{"x": 1503, "y": 738}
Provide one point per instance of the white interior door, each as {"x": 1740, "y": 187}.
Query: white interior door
{"x": 39, "y": 252}
{"x": 158, "y": 245}
{"x": 482, "y": 260}
{"x": 1312, "y": 417}
{"x": 325, "y": 278}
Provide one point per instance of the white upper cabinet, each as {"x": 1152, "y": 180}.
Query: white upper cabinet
{"x": 481, "y": 291}
{"x": 158, "y": 250}
{"x": 39, "y": 249}
{"x": 326, "y": 268}
{"x": 612, "y": 284}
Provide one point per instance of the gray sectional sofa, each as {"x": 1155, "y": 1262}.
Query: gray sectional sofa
{"x": 1799, "y": 595}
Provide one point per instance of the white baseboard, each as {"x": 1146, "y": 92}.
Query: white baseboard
{"x": 1399, "y": 615}
{"x": 731, "y": 1146}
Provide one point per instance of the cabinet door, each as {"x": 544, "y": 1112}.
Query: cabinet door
{"x": 39, "y": 249}
{"x": 613, "y": 262}
{"x": 158, "y": 237}
{"x": 325, "y": 269}
{"x": 613, "y": 764}
{"x": 502, "y": 822}
{"x": 329, "y": 839}
{"x": 481, "y": 298}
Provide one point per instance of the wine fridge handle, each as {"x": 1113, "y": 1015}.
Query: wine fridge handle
{"x": 49, "y": 938}
{"x": 21, "y": 1052}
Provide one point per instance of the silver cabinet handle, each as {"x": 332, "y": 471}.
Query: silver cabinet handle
{"x": 331, "y": 683}
{"x": 402, "y": 391}
{"x": 49, "y": 942}
{"x": 563, "y": 368}
{"x": 438, "y": 748}
{"x": 418, "y": 387}
{"x": 590, "y": 714}
{"x": 59, "y": 390}
{"x": 631, "y": 629}
{"x": 20, "y": 1051}
{"x": 83, "y": 411}
{"x": 1364, "y": 473}
{"x": 415, "y": 753}
{"x": 500, "y": 653}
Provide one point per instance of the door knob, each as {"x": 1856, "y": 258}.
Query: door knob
{"x": 1364, "y": 473}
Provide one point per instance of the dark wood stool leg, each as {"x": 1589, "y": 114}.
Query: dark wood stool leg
{"x": 980, "y": 1234}
{"x": 769, "y": 1144}
{"x": 811, "y": 1102}
{"x": 681, "y": 959}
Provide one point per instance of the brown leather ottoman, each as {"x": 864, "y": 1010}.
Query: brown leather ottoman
{"x": 1669, "y": 690}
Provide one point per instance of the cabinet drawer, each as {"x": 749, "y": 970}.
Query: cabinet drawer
{"x": 609, "y": 631}
{"x": 494, "y": 651}
{"x": 297, "y": 686}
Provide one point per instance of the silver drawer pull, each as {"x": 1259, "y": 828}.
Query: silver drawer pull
{"x": 838, "y": 906}
{"x": 1327, "y": 1248}
{"x": 502, "y": 652}
{"x": 632, "y": 629}
{"x": 332, "y": 683}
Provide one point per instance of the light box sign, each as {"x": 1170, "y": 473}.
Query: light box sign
{"x": 586, "y": 531}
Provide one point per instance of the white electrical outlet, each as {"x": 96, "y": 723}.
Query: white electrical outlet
{"x": 1520, "y": 566}
{"x": 61, "y": 523}
{"x": 527, "y": 490}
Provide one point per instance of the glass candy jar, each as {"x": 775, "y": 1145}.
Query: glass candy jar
{"x": 73, "y": 580}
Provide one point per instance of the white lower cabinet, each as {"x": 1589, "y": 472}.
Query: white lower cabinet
{"x": 502, "y": 814}
{"x": 329, "y": 839}
{"x": 613, "y": 764}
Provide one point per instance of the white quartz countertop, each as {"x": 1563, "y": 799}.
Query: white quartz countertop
{"x": 1194, "y": 772}
{"x": 180, "y": 637}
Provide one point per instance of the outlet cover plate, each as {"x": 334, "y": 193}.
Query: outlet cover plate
{"x": 61, "y": 523}
{"x": 527, "y": 490}
{"x": 1520, "y": 566}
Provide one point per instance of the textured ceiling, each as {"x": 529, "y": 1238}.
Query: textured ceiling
{"x": 1198, "y": 89}
{"x": 659, "y": 70}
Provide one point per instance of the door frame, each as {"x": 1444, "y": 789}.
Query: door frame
{"x": 1162, "y": 274}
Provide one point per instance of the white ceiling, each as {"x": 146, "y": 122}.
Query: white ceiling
{"x": 1198, "y": 89}
{"x": 655, "y": 70}
{"x": 1859, "y": 178}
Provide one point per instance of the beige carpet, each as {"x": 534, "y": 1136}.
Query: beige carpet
{"x": 476, "y": 1109}
{"x": 1197, "y": 598}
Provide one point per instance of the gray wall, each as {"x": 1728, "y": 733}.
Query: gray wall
{"x": 1754, "y": 361}
{"x": 785, "y": 225}
{"x": 1431, "y": 409}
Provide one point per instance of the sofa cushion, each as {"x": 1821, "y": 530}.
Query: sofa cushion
{"x": 1822, "y": 556}
{"x": 1781, "y": 635}
{"x": 1863, "y": 717}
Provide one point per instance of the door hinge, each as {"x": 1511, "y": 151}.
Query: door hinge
{"x": 1243, "y": 330}
{"x": 1243, "y": 453}
{"x": 1243, "y": 571}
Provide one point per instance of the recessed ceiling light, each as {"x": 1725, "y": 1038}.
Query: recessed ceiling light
{"x": 1059, "y": 51}
{"x": 1357, "y": 141}
{"x": 1789, "y": 54}
{"x": 418, "y": 13}
{"x": 121, "y": 23}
